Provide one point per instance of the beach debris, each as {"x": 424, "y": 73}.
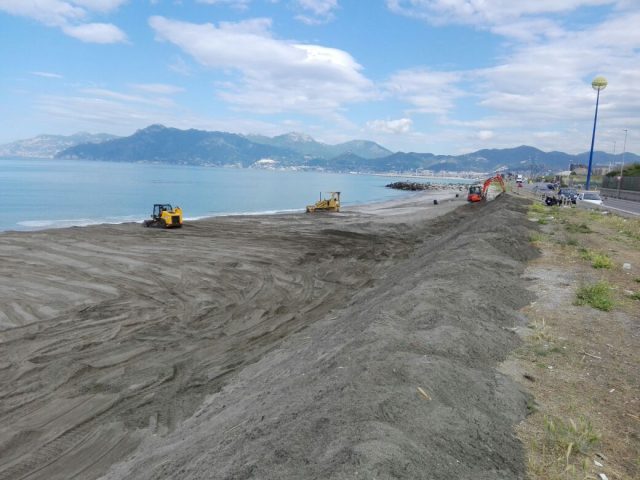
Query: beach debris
{"x": 592, "y": 356}
{"x": 603, "y": 476}
{"x": 435, "y": 201}
{"x": 424, "y": 394}
{"x": 529, "y": 377}
{"x": 626, "y": 266}
{"x": 597, "y": 463}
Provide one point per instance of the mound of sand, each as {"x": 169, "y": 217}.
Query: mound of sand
{"x": 277, "y": 347}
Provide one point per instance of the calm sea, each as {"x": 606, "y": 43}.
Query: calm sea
{"x": 39, "y": 194}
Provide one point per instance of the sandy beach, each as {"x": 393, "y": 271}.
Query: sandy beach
{"x": 355, "y": 345}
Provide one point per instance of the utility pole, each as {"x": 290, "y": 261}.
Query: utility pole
{"x": 624, "y": 150}
{"x": 599, "y": 83}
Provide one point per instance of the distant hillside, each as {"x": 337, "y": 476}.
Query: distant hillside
{"x": 295, "y": 150}
{"x": 307, "y": 146}
{"x": 48, "y": 146}
{"x": 157, "y": 143}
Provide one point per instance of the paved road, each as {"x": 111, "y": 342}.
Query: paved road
{"x": 624, "y": 206}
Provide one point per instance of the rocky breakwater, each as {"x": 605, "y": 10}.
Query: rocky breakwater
{"x": 416, "y": 186}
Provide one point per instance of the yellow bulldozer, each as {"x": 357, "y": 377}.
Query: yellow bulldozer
{"x": 331, "y": 204}
{"x": 165, "y": 216}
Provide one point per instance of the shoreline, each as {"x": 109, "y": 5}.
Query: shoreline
{"x": 406, "y": 198}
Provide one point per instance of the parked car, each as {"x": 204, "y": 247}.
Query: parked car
{"x": 568, "y": 194}
{"x": 590, "y": 197}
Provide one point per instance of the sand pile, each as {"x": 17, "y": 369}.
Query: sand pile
{"x": 279, "y": 347}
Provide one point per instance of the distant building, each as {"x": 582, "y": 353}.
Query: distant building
{"x": 578, "y": 168}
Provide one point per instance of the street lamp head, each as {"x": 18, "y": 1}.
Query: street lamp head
{"x": 599, "y": 83}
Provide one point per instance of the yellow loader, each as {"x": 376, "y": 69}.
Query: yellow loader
{"x": 331, "y": 204}
{"x": 165, "y": 216}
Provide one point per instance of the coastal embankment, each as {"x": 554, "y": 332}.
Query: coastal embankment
{"x": 355, "y": 345}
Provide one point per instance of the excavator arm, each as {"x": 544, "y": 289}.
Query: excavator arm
{"x": 497, "y": 179}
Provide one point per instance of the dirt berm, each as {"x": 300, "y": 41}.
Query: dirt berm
{"x": 275, "y": 347}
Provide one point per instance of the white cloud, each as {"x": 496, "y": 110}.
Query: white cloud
{"x": 99, "y": 5}
{"x": 541, "y": 84}
{"x": 179, "y": 65}
{"x": 46, "y": 74}
{"x": 427, "y": 91}
{"x": 70, "y": 16}
{"x": 401, "y": 125}
{"x": 275, "y": 75}
{"x": 237, "y": 4}
{"x": 485, "y": 12}
{"x": 95, "y": 33}
{"x": 485, "y": 134}
{"x": 159, "y": 88}
{"x": 317, "y": 11}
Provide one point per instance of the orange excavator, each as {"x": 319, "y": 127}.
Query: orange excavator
{"x": 479, "y": 192}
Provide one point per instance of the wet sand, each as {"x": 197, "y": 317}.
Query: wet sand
{"x": 282, "y": 346}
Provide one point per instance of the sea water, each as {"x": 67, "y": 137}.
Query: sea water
{"x": 38, "y": 194}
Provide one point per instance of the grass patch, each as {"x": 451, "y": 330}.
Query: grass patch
{"x": 572, "y": 242}
{"x": 562, "y": 453}
{"x": 543, "y": 221}
{"x": 598, "y": 260}
{"x": 596, "y": 295}
{"x": 637, "y": 280}
{"x": 536, "y": 237}
{"x": 570, "y": 437}
{"x": 540, "y": 331}
{"x": 578, "y": 228}
{"x": 635, "y": 295}
{"x": 538, "y": 208}
{"x": 544, "y": 350}
{"x": 627, "y": 227}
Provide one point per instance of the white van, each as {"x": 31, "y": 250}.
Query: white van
{"x": 519, "y": 178}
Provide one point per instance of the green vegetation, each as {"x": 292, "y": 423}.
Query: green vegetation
{"x": 537, "y": 208}
{"x": 570, "y": 437}
{"x": 578, "y": 228}
{"x": 598, "y": 260}
{"x": 629, "y": 171}
{"x": 536, "y": 237}
{"x": 543, "y": 221}
{"x": 596, "y": 295}
{"x": 562, "y": 454}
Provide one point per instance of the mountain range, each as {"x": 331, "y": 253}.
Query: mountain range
{"x": 47, "y": 146}
{"x": 158, "y": 143}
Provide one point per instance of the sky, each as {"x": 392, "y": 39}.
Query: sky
{"x": 439, "y": 76}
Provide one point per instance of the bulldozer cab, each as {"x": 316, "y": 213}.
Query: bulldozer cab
{"x": 158, "y": 208}
{"x": 164, "y": 215}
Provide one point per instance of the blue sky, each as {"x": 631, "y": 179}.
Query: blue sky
{"x": 441, "y": 76}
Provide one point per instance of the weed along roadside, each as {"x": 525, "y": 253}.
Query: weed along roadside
{"x": 581, "y": 351}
